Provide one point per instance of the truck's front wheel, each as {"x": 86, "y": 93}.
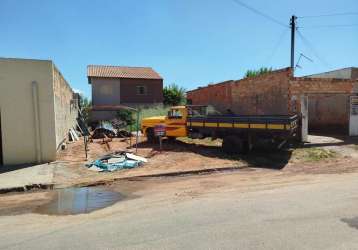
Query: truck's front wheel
{"x": 150, "y": 135}
{"x": 171, "y": 138}
{"x": 232, "y": 144}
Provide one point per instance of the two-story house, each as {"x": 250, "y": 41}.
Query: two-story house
{"x": 117, "y": 85}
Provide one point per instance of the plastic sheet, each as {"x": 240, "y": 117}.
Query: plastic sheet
{"x": 116, "y": 161}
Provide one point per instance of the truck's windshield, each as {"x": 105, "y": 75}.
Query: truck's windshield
{"x": 175, "y": 114}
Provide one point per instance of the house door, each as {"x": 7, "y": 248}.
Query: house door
{"x": 304, "y": 115}
{"x": 1, "y": 156}
{"x": 353, "y": 118}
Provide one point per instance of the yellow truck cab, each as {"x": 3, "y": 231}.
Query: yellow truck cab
{"x": 175, "y": 123}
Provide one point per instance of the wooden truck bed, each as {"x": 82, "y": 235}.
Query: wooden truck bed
{"x": 241, "y": 123}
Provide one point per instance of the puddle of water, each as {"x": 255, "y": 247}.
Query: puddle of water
{"x": 352, "y": 222}
{"x": 79, "y": 200}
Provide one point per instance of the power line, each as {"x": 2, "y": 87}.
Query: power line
{"x": 277, "y": 45}
{"x": 260, "y": 13}
{"x": 333, "y": 14}
{"x": 330, "y": 26}
{"x": 314, "y": 51}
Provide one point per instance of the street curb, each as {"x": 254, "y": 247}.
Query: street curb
{"x": 169, "y": 174}
{"x": 26, "y": 188}
{"x": 33, "y": 187}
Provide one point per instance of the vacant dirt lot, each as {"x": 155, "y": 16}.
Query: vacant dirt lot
{"x": 321, "y": 155}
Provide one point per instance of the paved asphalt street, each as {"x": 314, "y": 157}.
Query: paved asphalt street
{"x": 319, "y": 212}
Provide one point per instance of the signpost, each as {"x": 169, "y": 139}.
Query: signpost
{"x": 160, "y": 131}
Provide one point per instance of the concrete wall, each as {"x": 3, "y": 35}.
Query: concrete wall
{"x": 66, "y": 107}
{"x": 18, "y": 121}
{"x": 346, "y": 73}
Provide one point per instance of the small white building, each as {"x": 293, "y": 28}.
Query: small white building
{"x": 37, "y": 109}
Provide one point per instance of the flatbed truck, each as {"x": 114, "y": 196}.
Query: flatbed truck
{"x": 239, "y": 132}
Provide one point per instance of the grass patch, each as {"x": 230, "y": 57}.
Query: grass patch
{"x": 314, "y": 154}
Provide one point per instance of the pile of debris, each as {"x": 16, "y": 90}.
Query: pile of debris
{"x": 116, "y": 161}
{"x": 109, "y": 129}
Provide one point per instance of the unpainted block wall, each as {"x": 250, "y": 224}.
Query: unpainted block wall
{"x": 278, "y": 93}
{"x": 66, "y": 107}
{"x": 262, "y": 95}
{"x": 217, "y": 95}
{"x": 265, "y": 94}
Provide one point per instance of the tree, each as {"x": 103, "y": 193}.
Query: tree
{"x": 174, "y": 95}
{"x": 85, "y": 107}
{"x": 261, "y": 71}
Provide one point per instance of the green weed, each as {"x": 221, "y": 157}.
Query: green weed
{"x": 314, "y": 154}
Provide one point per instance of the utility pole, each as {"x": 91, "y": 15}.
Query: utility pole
{"x": 293, "y": 31}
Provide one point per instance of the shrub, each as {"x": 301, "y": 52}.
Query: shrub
{"x": 126, "y": 116}
{"x": 261, "y": 71}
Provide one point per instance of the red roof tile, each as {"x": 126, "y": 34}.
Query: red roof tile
{"x": 122, "y": 72}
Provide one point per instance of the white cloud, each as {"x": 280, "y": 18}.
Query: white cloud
{"x": 78, "y": 91}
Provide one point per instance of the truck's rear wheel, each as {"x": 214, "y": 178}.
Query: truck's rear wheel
{"x": 232, "y": 145}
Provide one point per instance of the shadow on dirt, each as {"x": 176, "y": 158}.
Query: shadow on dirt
{"x": 263, "y": 157}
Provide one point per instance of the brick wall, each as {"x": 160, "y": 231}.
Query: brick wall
{"x": 262, "y": 95}
{"x": 217, "y": 95}
{"x": 278, "y": 93}
{"x": 265, "y": 94}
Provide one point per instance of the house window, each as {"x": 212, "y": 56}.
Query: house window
{"x": 141, "y": 90}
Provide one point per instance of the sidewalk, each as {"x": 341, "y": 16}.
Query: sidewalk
{"x": 37, "y": 176}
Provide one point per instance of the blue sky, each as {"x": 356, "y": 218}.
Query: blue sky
{"x": 191, "y": 43}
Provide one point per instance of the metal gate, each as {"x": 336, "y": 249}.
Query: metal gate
{"x": 304, "y": 118}
{"x": 353, "y": 118}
